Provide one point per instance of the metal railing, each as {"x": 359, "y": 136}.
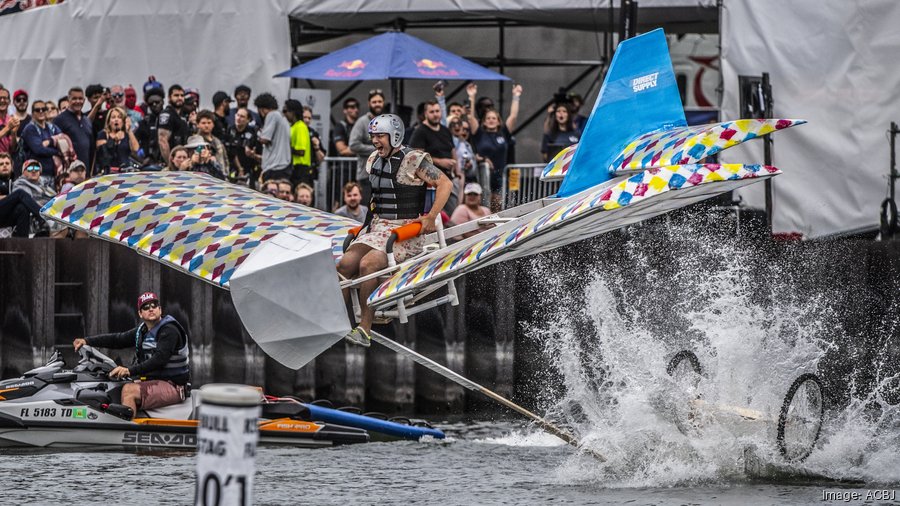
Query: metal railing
{"x": 334, "y": 173}
{"x": 522, "y": 183}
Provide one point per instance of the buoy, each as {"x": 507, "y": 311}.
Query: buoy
{"x": 227, "y": 434}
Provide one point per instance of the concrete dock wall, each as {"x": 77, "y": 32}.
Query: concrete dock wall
{"x": 52, "y": 291}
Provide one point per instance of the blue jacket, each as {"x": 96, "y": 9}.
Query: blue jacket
{"x": 34, "y": 137}
{"x": 81, "y": 133}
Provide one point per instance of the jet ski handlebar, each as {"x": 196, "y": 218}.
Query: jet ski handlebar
{"x": 89, "y": 354}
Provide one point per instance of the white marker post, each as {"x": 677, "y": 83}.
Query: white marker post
{"x": 226, "y": 445}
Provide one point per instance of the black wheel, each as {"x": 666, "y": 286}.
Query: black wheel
{"x": 685, "y": 369}
{"x": 684, "y": 362}
{"x": 800, "y": 421}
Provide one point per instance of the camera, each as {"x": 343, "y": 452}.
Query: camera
{"x": 560, "y": 97}
{"x": 199, "y": 149}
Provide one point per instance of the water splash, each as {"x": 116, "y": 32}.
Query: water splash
{"x": 754, "y": 320}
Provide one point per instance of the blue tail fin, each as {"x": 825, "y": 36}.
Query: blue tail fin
{"x": 639, "y": 95}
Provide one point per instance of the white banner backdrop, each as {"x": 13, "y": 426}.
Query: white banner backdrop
{"x": 834, "y": 63}
{"x": 210, "y": 45}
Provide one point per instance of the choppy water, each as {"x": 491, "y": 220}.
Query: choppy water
{"x": 482, "y": 463}
{"x": 755, "y": 322}
{"x": 615, "y": 321}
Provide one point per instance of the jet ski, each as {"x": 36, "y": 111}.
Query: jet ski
{"x": 54, "y": 407}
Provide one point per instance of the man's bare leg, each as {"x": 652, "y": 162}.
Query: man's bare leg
{"x": 372, "y": 262}
{"x": 131, "y": 394}
{"x": 348, "y": 266}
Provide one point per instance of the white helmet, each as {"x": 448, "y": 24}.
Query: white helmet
{"x": 390, "y": 124}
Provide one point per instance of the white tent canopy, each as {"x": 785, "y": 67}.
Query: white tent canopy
{"x": 830, "y": 62}
{"x": 681, "y": 16}
{"x": 203, "y": 44}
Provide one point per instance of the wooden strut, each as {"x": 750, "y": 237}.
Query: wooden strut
{"x": 471, "y": 385}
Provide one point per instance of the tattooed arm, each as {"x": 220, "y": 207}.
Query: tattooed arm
{"x": 435, "y": 178}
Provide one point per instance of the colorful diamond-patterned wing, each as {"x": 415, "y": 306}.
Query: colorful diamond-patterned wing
{"x": 676, "y": 146}
{"x": 188, "y": 220}
{"x": 693, "y": 144}
{"x": 605, "y": 207}
{"x": 559, "y": 166}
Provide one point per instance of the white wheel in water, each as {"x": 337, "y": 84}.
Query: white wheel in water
{"x": 801, "y": 417}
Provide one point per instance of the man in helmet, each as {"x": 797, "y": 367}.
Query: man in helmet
{"x": 399, "y": 176}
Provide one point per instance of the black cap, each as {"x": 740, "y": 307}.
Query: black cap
{"x": 219, "y": 97}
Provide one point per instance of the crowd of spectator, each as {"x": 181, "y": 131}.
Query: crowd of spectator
{"x": 53, "y": 144}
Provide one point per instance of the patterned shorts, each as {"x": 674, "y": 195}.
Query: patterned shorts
{"x": 379, "y": 232}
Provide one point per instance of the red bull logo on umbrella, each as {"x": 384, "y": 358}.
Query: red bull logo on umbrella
{"x": 431, "y": 68}
{"x": 351, "y": 68}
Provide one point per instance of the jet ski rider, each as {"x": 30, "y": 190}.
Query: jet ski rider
{"x": 162, "y": 360}
{"x": 399, "y": 176}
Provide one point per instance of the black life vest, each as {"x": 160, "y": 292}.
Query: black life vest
{"x": 178, "y": 363}
{"x": 392, "y": 200}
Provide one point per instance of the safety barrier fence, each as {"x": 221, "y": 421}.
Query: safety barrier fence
{"x": 334, "y": 173}
{"x": 522, "y": 183}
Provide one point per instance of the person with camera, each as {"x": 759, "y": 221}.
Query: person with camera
{"x": 98, "y": 97}
{"x": 116, "y": 144}
{"x": 173, "y": 129}
{"x": 191, "y": 107}
{"x": 562, "y": 132}
{"x": 244, "y": 150}
{"x": 147, "y": 132}
{"x": 205, "y": 125}
{"x": 202, "y": 159}
{"x": 179, "y": 159}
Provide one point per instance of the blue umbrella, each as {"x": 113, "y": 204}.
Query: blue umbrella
{"x": 391, "y": 55}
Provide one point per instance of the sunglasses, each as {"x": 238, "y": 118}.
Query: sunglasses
{"x": 118, "y": 95}
{"x": 376, "y": 91}
{"x": 352, "y": 106}
{"x": 22, "y": 99}
{"x": 32, "y": 168}
{"x": 150, "y": 305}
{"x": 39, "y": 109}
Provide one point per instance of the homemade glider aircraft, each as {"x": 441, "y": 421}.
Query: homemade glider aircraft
{"x": 637, "y": 159}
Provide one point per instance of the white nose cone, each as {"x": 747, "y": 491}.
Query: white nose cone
{"x": 288, "y": 297}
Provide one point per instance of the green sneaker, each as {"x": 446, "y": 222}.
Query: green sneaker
{"x": 359, "y": 336}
